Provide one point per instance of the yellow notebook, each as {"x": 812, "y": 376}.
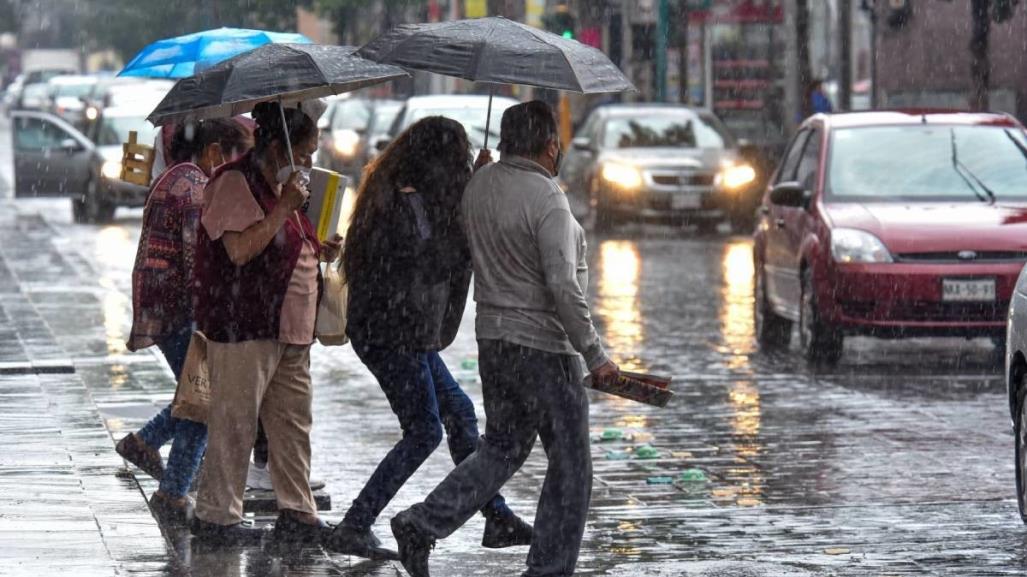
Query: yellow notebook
{"x": 324, "y": 206}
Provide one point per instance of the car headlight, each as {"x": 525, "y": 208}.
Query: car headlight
{"x": 849, "y": 245}
{"x": 735, "y": 176}
{"x": 92, "y": 113}
{"x": 622, "y": 175}
{"x": 111, "y": 169}
{"x": 345, "y": 141}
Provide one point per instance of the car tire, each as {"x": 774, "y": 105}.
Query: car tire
{"x": 742, "y": 223}
{"x": 1020, "y": 449}
{"x": 95, "y": 209}
{"x": 821, "y": 343}
{"x": 773, "y": 332}
{"x": 600, "y": 218}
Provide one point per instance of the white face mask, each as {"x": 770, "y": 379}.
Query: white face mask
{"x": 286, "y": 171}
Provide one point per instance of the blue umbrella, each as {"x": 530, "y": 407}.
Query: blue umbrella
{"x": 184, "y": 56}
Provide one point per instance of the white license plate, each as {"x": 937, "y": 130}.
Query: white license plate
{"x": 684, "y": 201}
{"x": 981, "y": 290}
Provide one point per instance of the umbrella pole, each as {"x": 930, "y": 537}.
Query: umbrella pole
{"x": 488, "y": 115}
{"x": 285, "y": 129}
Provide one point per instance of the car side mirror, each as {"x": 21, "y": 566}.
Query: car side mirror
{"x": 582, "y": 143}
{"x": 70, "y": 145}
{"x": 791, "y": 194}
{"x": 381, "y": 144}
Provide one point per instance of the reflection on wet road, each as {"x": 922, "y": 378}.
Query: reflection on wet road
{"x": 897, "y": 462}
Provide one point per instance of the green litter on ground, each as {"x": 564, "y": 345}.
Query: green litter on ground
{"x": 612, "y": 435}
{"x": 660, "y": 480}
{"x": 647, "y": 452}
{"x": 618, "y": 455}
{"x": 469, "y": 364}
{"x": 692, "y": 476}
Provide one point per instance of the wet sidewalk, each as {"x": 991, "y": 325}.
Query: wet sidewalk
{"x": 65, "y": 503}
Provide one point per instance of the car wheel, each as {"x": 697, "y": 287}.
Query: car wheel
{"x": 78, "y": 210}
{"x": 1020, "y": 451}
{"x": 707, "y": 227}
{"x": 742, "y": 223}
{"x": 773, "y": 332}
{"x": 97, "y": 210}
{"x": 600, "y": 218}
{"x": 821, "y": 343}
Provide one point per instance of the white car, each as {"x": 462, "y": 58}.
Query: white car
{"x": 1016, "y": 384}
{"x": 470, "y": 110}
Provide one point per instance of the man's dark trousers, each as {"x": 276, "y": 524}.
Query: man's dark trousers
{"x": 527, "y": 392}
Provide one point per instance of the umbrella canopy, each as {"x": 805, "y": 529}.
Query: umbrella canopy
{"x": 499, "y": 51}
{"x": 183, "y": 56}
{"x": 287, "y": 73}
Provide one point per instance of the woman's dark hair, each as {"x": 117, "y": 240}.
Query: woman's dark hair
{"x": 191, "y": 138}
{"x": 527, "y": 128}
{"x": 434, "y": 157}
{"x": 269, "y": 125}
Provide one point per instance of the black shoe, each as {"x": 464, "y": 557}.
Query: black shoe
{"x": 414, "y": 546}
{"x": 236, "y": 535}
{"x": 288, "y": 529}
{"x": 506, "y": 531}
{"x": 135, "y": 451}
{"x": 171, "y": 512}
{"x": 361, "y": 543}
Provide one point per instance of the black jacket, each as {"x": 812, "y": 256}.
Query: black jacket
{"x": 412, "y": 293}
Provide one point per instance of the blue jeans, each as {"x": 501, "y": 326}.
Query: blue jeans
{"x": 426, "y": 398}
{"x": 190, "y": 437}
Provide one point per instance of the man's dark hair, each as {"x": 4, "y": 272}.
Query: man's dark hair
{"x": 527, "y": 128}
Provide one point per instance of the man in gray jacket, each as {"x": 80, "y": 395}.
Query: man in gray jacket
{"x": 532, "y": 324}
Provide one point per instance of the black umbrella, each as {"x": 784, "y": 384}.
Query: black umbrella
{"x": 498, "y": 51}
{"x": 287, "y": 73}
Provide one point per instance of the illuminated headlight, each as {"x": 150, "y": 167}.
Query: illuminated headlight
{"x": 849, "y": 245}
{"x": 92, "y": 113}
{"x": 622, "y": 175}
{"x": 111, "y": 169}
{"x": 735, "y": 176}
{"x": 345, "y": 141}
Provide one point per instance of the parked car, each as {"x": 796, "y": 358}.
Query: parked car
{"x": 34, "y": 97}
{"x": 343, "y": 123}
{"x": 892, "y": 224}
{"x": 67, "y": 95}
{"x": 53, "y": 158}
{"x": 467, "y": 109}
{"x": 1016, "y": 385}
{"x": 651, "y": 162}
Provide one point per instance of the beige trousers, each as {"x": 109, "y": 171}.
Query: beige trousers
{"x": 261, "y": 378}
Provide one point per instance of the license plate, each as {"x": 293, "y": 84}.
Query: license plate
{"x": 981, "y": 290}
{"x": 684, "y": 201}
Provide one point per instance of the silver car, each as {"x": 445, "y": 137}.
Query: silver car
{"x": 655, "y": 162}
{"x": 1016, "y": 384}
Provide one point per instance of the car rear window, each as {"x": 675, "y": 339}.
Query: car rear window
{"x": 928, "y": 163}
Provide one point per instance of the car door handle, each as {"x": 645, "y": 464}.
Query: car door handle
{"x": 780, "y": 223}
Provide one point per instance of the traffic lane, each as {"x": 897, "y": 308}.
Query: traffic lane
{"x": 866, "y": 458}
{"x": 893, "y": 456}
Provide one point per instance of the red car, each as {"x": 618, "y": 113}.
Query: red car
{"x": 892, "y": 224}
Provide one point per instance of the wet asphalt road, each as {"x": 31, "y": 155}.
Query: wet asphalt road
{"x": 897, "y": 462}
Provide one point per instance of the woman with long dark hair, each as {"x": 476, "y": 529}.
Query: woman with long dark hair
{"x": 408, "y": 268}
{"x": 162, "y": 300}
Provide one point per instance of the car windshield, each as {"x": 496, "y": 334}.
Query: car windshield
{"x": 350, "y": 114}
{"x": 664, "y": 130}
{"x": 471, "y": 117}
{"x": 114, "y": 130}
{"x": 76, "y": 90}
{"x": 928, "y": 163}
{"x": 384, "y": 115}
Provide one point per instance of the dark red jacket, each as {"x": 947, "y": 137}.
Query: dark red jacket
{"x": 244, "y": 303}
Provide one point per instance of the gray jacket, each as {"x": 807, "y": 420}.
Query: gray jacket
{"x": 528, "y": 255}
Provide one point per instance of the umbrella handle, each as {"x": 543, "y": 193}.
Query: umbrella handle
{"x": 488, "y": 116}
{"x": 285, "y": 129}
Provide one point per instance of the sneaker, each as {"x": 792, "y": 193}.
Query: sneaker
{"x": 135, "y": 451}
{"x": 414, "y": 546}
{"x": 170, "y": 511}
{"x": 360, "y": 543}
{"x": 258, "y": 478}
{"x": 226, "y": 535}
{"x": 506, "y": 531}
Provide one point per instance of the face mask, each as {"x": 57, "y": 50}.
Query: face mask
{"x": 558, "y": 162}
{"x": 286, "y": 171}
